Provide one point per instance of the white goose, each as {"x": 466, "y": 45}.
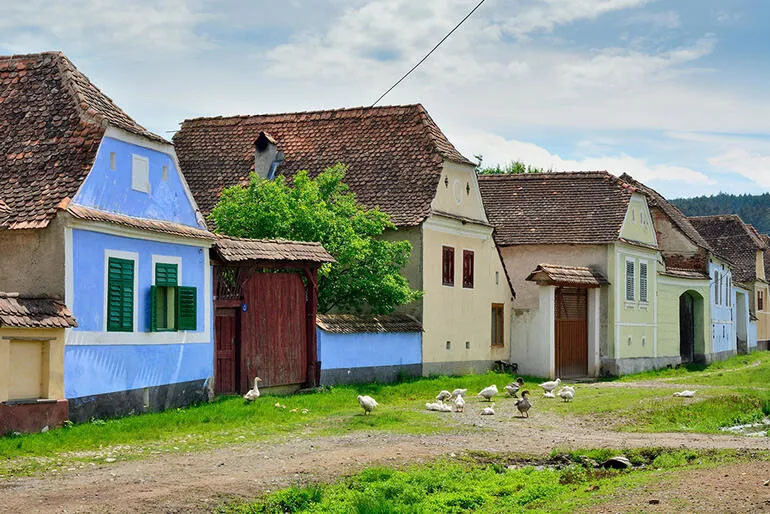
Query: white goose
{"x": 459, "y": 403}
{"x": 443, "y": 395}
{"x": 687, "y": 393}
{"x": 459, "y": 392}
{"x": 567, "y": 393}
{"x": 548, "y": 387}
{"x": 367, "y": 403}
{"x": 488, "y": 392}
{"x": 439, "y": 406}
{"x": 488, "y": 411}
{"x": 253, "y": 394}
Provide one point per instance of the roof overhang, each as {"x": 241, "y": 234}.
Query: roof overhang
{"x": 567, "y": 276}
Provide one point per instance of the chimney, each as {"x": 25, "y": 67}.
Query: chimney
{"x": 267, "y": 158}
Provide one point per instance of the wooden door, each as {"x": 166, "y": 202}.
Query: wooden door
{"x": 226, "y": 326}
{"x": 273, "y": 330}
{"x": 571, "y": 332}
{"x": 686, "y": 328}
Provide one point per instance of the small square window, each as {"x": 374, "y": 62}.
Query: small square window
{"x": 164, "y": 173}
{"x": 113, "y": 161}
{"x": 140, "y": 174}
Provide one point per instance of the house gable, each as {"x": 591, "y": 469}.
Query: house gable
{"x": 137, "y": 178}
{"x": 458, "y": 192}
{"x": 637, "y": 225}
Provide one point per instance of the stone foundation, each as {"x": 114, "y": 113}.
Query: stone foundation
{"x": 763, "y": 345}
{"x": 456, "y": 368}
{"x": 381, "y": 374}
{"x": 32, "y": 416}
{"x": 136, "y": 401}
{"x": 618, "y": 367}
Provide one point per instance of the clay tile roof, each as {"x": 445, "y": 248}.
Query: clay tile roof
{"x": 34, "y": 312}
{"x": 766, "y": 240}
{"x": 232, "y": 249}
{"x": 555, "y": 274}
{"x": 686, "y": 273}
{"x": 351, "y": 323}
{"x": 677, "y": 217}
{"x": 555, "y": 208}
{"x": 164, "y": 227}
{"x": 52, "y": 119}
{"x": 731, "y": 237}
{"x": 394, "y": 154}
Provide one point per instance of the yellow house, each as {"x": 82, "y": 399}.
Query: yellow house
{"x": 32, "y": 362}
{"x": 398, "y": 160}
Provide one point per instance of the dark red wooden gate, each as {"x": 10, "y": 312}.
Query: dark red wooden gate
{"x": 273, "y": 330}
{"x": 571, "y": 332}
{"x": 226, "y": 327}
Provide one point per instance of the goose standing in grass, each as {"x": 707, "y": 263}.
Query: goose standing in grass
{"x": 459, "y": 403}
{"x": 253, "y": 394}
{"x": 367, "y": 403}
{"x": 523, "y": 404}
{"x": 439, "y": 406}
{"x": 459, "y": 392}
{"x": 488, "y": 392}
{"x": 685, "y": 394}
{"x": 488, "y": 411}
{"x": 567, "y": 393}
{"x": 514, "y": 387}
{"x": 548, "y": 387}
{"x": 443, "y": 395}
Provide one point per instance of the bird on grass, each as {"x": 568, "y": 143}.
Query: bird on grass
{"x": 548, "y": 387}
{"x": 567, "y": 393}
{"x": 458, "y": 392}
{"x": 367, "y": 403}
{"x": 523, "y": 404}
{"x": 443, "y": 395}
{"x": 488, "y": 392}
{"x": 253, "y": 394}
{"x": 439, "y": 406}
{"x": 514, "y": 387}
{"x": 488, "y": 411}
{"x": 459, "y": 404}
{"x": 685, "y": 394}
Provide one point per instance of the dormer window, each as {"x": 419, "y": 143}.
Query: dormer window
{"x": 140, "y": 173}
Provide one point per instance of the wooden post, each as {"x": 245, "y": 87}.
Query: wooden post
{"x": 311, "y": 307}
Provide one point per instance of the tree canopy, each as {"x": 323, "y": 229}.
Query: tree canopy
{"x": 753, "y": 209}
{"x": 367, "y": 274}
{"x": 512, "y": 168}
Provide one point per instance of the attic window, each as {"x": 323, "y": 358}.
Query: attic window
{"x": 446, "y": 182}
{"x": 467, "y": 188}
{"x": 140, "y": 173}
{"x": 164, "y": 173}
{"x": 113, "y": 164}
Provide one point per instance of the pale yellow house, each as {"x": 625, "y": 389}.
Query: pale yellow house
{"x": 32, "y": 362}
{"x": 400, "y": 161}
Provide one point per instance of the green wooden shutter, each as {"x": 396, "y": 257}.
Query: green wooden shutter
{"x": 120, "y": 295}
{"x": 186, "y": 308}
{"x": 153, "y": 309}
{"x": 166, "y": 275}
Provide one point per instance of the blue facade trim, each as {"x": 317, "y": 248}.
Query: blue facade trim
{"x": 368, "y": 349}
{"x": 110, "y": 189}
{"x": 723, "y": 310}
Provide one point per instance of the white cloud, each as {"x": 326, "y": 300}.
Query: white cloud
{"x": 752, "y": 165}
{"x": 664, "y": 19}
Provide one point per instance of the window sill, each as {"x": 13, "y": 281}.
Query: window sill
{"x": 644, "y": 305}
{"x": 630, "y": 305}
{"x": 447, "y": 285}
{"x": 468, "y": 287}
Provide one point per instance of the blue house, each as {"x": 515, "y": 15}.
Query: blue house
{"x": 94, "y": 211}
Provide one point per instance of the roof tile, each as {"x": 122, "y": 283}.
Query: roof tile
{"x": 34, "y": 312}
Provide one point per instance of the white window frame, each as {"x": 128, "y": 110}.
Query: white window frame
{"x": 646, "y": 300}
{"x": 630, "y": 301}
{"x": 140, "y": 183}
{"x": 129, "y": 256}
{"x": 167, "y": 259}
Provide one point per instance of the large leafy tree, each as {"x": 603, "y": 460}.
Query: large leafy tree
{"x": 367, "y": 274}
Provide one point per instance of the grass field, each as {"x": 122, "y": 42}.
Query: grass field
{"x": 485, "y": 484}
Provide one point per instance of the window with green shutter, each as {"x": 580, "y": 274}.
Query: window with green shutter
{"x": 186, "y": 308}
{"x": 120, "y": 295}
{"x": 166, "y": 274}
{"x": 163, "y": 298}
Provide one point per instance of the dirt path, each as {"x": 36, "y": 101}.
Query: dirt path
{"x": 196, "y": 482}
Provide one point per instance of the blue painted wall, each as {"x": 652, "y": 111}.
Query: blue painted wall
{"x": 88, "y": 273}
{"x": 723, "y": 329}
{"x": 110, "y": 190}
{"x": 368, "y": 349}
{"x": 99, "y": 369}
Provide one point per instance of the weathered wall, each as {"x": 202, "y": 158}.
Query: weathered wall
{"x": 457, "y": 315}
{"x": 44, "y": 364}
{"x": 458, "y": 192}
{"x": 637, "y": 225}
{"x": 413, "y": 270}
{"x": 669, "y": 292}
{"x": 32, "y": 261}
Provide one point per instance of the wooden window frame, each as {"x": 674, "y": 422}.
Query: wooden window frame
{"x": 121, "y": 287}
{"x": 448, "y": 266}
{"x": 498, "y": 325}
{"x": 760, "y": 300}
{"x": 468, "y": 269}
{"x": 644, "y": 282}
{"x": 632, "y": 289}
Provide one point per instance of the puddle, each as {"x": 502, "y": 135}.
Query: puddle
{"x": 761, "y": 429}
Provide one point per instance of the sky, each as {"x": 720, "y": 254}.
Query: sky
{"x": 673, "y": 92}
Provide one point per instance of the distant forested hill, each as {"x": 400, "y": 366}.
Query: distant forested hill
{"x": 754, "y": 209}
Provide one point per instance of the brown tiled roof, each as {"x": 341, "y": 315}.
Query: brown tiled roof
{"x": 555, "y": 274}
{"x": 766, "y": 240}
{"x": 685, "y": 273}
{"x": 394, "y": 154}
{"x": 34, "y": 312}
{"x": 51, "y": 122}
{"x": 163, "y": 227}
{"x": 555, "y": 208}
{"x": 731, "y": 237}
{"x": 677, "y": 217}
{"x": 231, "y": 249}
{"x": 351, "y": 323}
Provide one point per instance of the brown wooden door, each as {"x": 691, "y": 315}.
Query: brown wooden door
{"x": 571, "y": 332}
{"x": 226, "y": 326}
{"x": 273, "y": 330}
{"x": 686, "y": 328}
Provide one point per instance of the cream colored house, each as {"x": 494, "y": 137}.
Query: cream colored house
{"x": 399, "y": 161}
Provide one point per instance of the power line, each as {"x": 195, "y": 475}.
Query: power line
{"x": 391, "y": 88}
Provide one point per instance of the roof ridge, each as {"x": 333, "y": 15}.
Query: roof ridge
{"x": 362, "y": 108}
{"x": 549, "y": 174}
{"x": 271, "y": 240}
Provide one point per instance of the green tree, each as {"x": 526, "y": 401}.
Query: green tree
{"x": 512, "y": 168}
{"x": 367, "y": 274}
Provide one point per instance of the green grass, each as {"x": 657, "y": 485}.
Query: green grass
{"x": 690, "y": 372}
{"x": 483, "y": 483}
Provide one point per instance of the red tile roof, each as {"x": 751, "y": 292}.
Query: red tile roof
{"x": 52, "y": 119}
{"x": 576, "y": 276}
{"x": 394, "y": 154}
{"x": 232, "y": 249}
{"x": 351, "y": 323}
{"x": 34, "y": 312}
{"x": 731, "y": 237}
{"x": 556, "y": 208}
{"x": 690, "y": 274}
